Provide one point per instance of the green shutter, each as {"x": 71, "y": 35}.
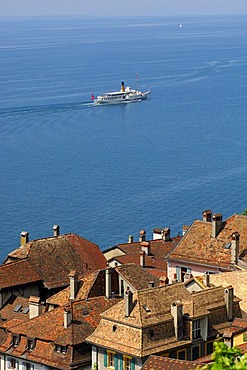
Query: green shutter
{"x": 105, "y": 359}
{"x": 116, "y": 361}
{"x": 132, "y": 364}
{"x": 178, "y": 273}
{"x": 121, "y": 362}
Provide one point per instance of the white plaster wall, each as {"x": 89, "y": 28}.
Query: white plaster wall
{"x": 196, "y": 270}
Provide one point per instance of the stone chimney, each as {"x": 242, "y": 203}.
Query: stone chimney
{"x": 142, "y": 237}
{"x": 157, "y": 233}
{"x": 131, "y": 239}
{"x": 216, "y": 224}
{"x": 207, "y": 216}
{"x": 229, "y": 295}
{"x": 151, "y": 284}
{"x": 146, "y": 247}
{"x": 206, "y": 279}
{"x": 166, "y": 234}
{"x": 235, "y": 248}
{"x": 177, "y": 313}
{"x": 128, "y": 302}
{"x": 73, "y": 284}
{"x": 67, "y": 317}
{"x": 142, "y": 258}
{"x": 56, "y": 230}
{"x": 24, "y": 238}
{"x": 108, "y": 272}
{"x": 34, "y": 307}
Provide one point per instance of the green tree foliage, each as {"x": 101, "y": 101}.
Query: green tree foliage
{"x": 226, "y": 358}
{"x": 244, "y": 212}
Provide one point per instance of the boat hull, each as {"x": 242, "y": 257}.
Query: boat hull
{"x": 123, "y": 96}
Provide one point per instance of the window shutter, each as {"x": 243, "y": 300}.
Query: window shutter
{"x": 105, "y": 359}
{"x": 188, "y": 270}
{"x": 116, "y": 361}
{"x": 178, "y": 273}
{"x": 32, "y": 367}
{"x": 23, "y": 365}
{"x": 132, "y": 364}
{"x": 17, "y": 365}
{"x": 8, "y": 363}
{"x": 121, "y": 362}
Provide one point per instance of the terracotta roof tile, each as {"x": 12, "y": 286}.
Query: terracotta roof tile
{"x": 165, "y": 363}
{"x": 11, "y": 274}
{"x": 52, "y": 259}
{"x": 198, "y": 246}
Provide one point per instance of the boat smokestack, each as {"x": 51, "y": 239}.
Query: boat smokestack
{"x": 122, "y": 87}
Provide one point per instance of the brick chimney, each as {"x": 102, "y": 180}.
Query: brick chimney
{"x": 146, "y": 247}
{"x": 56, "y": 230}
{"x": 235, "y": 248}
{"x": 207, "y": 216}
{"x": 67, "y": 317}
{"x": 177, "y": 313}
{"x": 142, "y": 258}
{"x": 73, "y": 284}
{"x": 142, "y": 237}
{"x": 128, "y": 302}
{"x": 24, "y": 238}
{"x": 131, "y": 239}
{"x": 229, "y": 295}
{"x": 216, "y": 224}
{"x": 108, "y": 272}
{"x": 34, "y": 307}
{"x": 166, "y": 234}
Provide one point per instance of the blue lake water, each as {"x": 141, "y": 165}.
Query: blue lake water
{"x": 105, "y": 172}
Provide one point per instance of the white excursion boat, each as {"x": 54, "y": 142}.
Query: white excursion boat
{"x": 126, "y": 94}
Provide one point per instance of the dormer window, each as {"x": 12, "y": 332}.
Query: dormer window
{"x": 60, "y": 349}
{"x": 30, "y": 344}
{"x": 196, "y": 329}
{"x": 15, "y": 340}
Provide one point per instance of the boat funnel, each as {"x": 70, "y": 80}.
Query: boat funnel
{"x": 122, "y": 87}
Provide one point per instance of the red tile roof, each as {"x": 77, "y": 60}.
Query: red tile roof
{"x": 52, "y": 259}
{"x": 166, "y": 363}
{"x": 198, "y": 246}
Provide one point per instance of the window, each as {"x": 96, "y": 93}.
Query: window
{"x": 12, "y": 363}
{"x": 60, "y": 349}
{"x": 181, "y": 355}
{"x": 127, "y": 363}
{"x": 195, "y": 352}
{"x": 15, "y": 340}
{"x": 209, "y": 347}
{"x": 30, "y": 344}
{"x": 110, "y": 359}
{"x": 196, "y": 329}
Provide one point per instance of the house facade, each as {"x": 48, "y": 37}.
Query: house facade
{"x": 210, "y": 245}
{"x": 167, "y": 321}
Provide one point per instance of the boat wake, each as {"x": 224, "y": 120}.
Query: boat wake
{"x": 52, "y": 108}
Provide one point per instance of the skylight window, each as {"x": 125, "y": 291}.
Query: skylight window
{"x": 17, "y": 308}
{"x": 227, "y": 246}
{"x": 146, "y": 308}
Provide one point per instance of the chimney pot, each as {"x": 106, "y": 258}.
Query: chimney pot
{"x": 108, "y": 272}
{"x": 229, "y": 296}
{"x": 131, "y": 239}
{"x": 73, "y": 281}
{"x": 128, "y": 302}
{"x": 166, "y": 234}
{"x": 142, "y": 258}
{"x": 24, "y": 238}
{"x": 56, "y": 230}
{"x": 142, "y": 236}
{"x": 67, "y": 317}
{"x": 146, "y": 247}
{"x": 206, "y": 279}
{"x": 216, "y": 224}
{"x": 34, "y": 307}
{"x": 207, "y": 216}
{"x": 235, "y": 248}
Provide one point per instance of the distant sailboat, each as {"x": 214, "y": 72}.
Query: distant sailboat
{"x": 180, "y": 25}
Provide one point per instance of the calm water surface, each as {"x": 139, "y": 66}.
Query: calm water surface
{"x": 105, "y": 172}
